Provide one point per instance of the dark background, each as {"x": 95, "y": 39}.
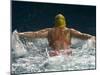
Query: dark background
{"x": 31, "y": 16}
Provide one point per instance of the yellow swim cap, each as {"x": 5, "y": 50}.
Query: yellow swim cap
{"x": 60, "y": 21}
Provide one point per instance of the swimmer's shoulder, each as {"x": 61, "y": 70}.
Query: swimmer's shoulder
{"x": 47, "y": 29}
{"x": 69, "y": 29}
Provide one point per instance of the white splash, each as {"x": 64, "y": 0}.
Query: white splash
{"x": 17, "y": 45}
{"x": 35, "y": 56}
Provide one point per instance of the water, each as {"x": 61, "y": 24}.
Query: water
{"x": 31, "y": 56}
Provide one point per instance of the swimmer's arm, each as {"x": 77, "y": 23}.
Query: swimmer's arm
{"x": 36, "y": 34}
{"x": 80, "y": 35}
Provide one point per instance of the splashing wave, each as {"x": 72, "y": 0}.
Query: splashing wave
{"x": 30, "y": 56}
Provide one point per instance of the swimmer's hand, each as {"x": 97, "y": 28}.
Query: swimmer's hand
{"x": 93, "y": 38}
{"x": 20, "y": 34}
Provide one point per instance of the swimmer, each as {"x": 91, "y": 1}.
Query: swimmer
{"x": 59, "y": 37}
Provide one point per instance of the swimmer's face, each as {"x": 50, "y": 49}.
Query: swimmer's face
{"x": 60, "y": 21}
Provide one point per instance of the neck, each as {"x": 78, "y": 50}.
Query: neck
{"x": 60, "y": 27}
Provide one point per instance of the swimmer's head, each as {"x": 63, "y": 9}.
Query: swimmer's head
{"x": 60, "y": 21}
